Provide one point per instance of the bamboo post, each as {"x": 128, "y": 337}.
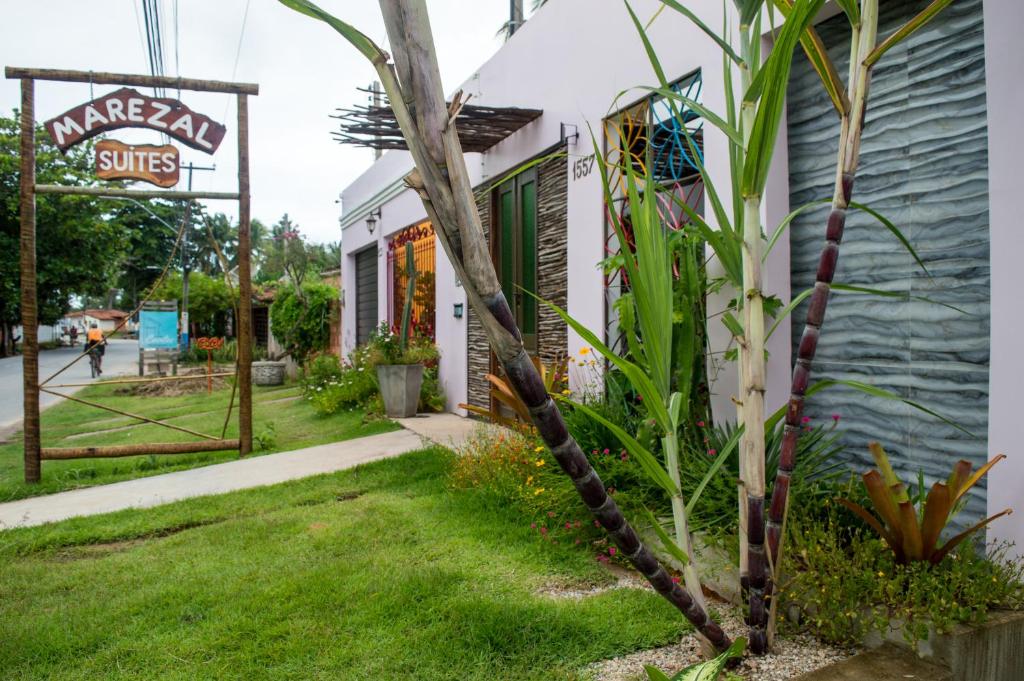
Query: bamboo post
{"x": 244, "y": 284}
{"x": 29, "y": 313}
{"x": 58, "y": 453}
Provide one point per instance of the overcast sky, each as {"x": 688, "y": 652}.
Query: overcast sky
{"x": 304, "y": 69}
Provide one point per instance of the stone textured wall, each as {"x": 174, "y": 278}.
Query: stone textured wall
{"x": 924, "y": 166}
{"x": 552, "y": 284}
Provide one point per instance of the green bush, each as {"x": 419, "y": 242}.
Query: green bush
{"x": 846, "y": 583}
{"x": 302, "y": 324}
{"x": 227, "y": 354}
{"x": 331, "y": 385}
{"x": 512, "y": 468}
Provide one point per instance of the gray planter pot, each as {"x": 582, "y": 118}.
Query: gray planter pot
{"x": 400, "y": 388}
{"x": 268, "y": 373}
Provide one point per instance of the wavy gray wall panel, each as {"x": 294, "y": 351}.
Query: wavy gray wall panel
{"x": 924, "y": 164}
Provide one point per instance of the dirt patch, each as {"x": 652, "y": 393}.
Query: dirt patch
{"x": 101, "y": 549}
{"x": 176, "y": 386}
{"x": 343, "y": 496}
{"x": 623, "y": 579}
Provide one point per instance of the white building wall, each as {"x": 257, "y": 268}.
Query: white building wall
{"x": 572, "y": 59}
{"x": 1004, "y": 62}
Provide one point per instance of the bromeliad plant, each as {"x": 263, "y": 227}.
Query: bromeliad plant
{"x": 503, "y": 393}
{"x": 912, "y": 527}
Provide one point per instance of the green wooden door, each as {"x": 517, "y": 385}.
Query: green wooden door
{"x": 515, "y": 250}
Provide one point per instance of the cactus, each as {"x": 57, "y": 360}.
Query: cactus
{"x": 410, "y": 292}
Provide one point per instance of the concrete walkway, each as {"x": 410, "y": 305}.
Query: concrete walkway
{"x": 445, "y": 429}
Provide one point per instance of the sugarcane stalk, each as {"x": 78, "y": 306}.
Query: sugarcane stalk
{"x": 852, "y": 124}
{"x": 442, "y": 181}
{"x": 752, "y": 371}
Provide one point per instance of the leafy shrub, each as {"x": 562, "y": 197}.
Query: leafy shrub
{"x": 266, "y": 439}
{"x": 847, "y": 583}
{"x": 321, "y": 370}
{"x": 226, "y": 354}
{"x": 817, "y": 463}
{"x": 512, "y": 468}
{"x": 302, "y": 323}
{"x": 353, "y": 388}
{"x": 384, "y": 347}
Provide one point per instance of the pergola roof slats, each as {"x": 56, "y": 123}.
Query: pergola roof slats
{"x": 480, "y": 127}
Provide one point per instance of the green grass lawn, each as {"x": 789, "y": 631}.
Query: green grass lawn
{"x": 282, "y": 420}
{"x": 379, "y": 572}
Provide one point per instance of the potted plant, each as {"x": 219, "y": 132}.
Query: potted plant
{"x": 400, "y": 373}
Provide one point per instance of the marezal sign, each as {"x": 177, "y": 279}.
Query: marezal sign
{"x": 128, "y": 108}
{"x": 154, "y": 164}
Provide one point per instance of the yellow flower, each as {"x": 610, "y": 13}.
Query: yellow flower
{"x": 529, "y": 480}
{"x": 584, "y": 351}
{"x": 881, "y": 574}
{"x": 538, "y": 491}
{"x": 566, "y": 392}
{"x": 538, "y": 449}
{"x": 539, "y": 463}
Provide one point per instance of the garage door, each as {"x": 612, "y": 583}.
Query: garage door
{"x": 366, "y": 293}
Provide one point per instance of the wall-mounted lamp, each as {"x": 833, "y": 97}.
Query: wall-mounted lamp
{"x": 569, "y": 131}
{"x": 371, "y": 220}
{"x": 457, "y": 310}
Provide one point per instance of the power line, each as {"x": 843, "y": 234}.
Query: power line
{"x": 238, "y": 53}
{"x": 138, "y": 25}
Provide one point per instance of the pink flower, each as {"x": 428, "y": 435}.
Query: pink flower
{"x": 835, "y": 418}
{"x": 533, "y": 526}
{"x": 602, "y": 558}
{"x": 543, "y": 530}
{"x": 675, "y": 580}
{"x": 568, "y": 526}
{"x": 806, "y": 419}
{"x": 712, "y": 452}
{"x": 624, "y": 456}
{"x": 700, "y": 424}
{"x": 611, "y": 550}
{"x": 606, "y": 451}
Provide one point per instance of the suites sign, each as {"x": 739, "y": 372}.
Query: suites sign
{"x": 154, "y": 164}
{"x": 128, "y": 108}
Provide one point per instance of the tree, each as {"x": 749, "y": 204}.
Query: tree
{"x": 78, "y": 249}
{"x": 148, "y": 230}
{"x": 209, "y": 300}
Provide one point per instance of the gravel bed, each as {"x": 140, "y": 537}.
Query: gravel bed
{"x": 793, "y": 656}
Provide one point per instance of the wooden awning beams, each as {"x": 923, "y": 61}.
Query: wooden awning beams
{"x": 480, "y": 127}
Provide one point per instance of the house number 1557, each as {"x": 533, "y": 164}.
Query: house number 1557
{"x": 582, "y": 167}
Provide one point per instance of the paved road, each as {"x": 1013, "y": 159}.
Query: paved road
{"x": 122, "y": 358}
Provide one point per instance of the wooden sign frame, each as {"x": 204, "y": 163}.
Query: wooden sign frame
{"x": 34, "y": 453}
